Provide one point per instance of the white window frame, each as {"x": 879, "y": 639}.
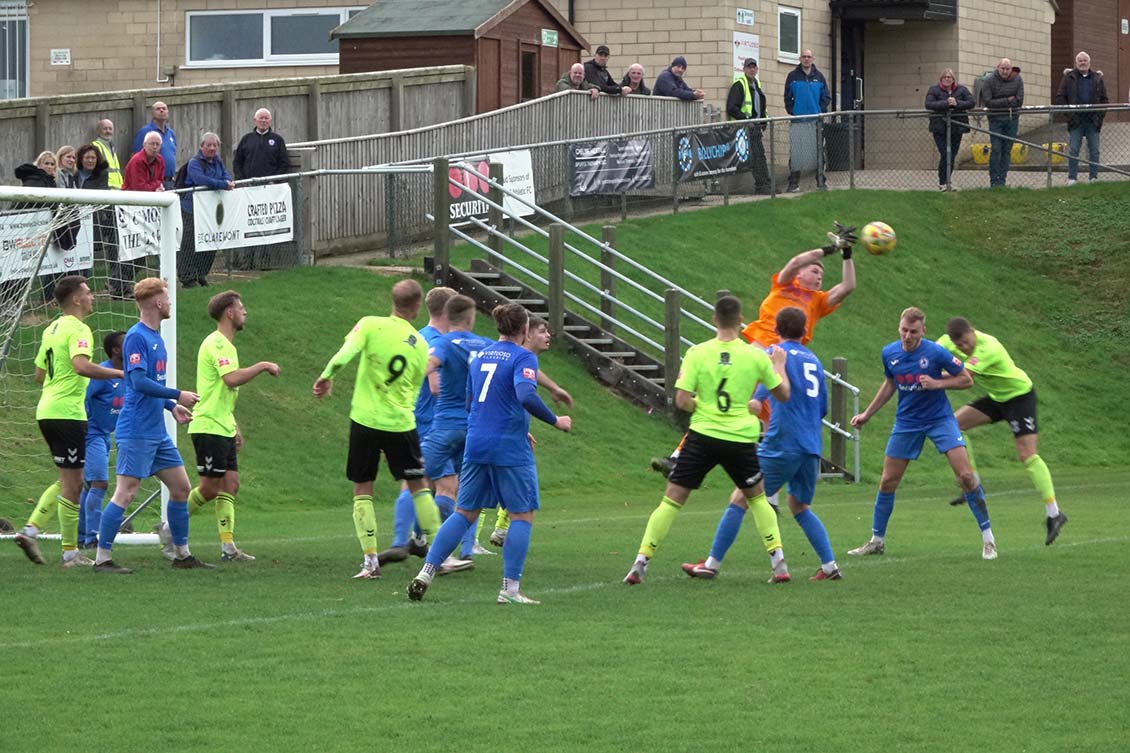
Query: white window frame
{"x": 268, "y": 60}
{"x": 789, "y": 56}
{"x": 16, "y": 12}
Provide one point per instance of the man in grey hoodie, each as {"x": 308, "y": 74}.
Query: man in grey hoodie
{"x": 1003, "y": 95}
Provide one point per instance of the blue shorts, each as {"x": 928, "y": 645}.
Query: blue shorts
{"x": 515, "y": 487}
{"x": 799, "y": 471}
{"x": 907, "y": 445}
{"x": 443, "y": 451}
{"x": 142, "y": 457}
{"x": 97, "y": 466}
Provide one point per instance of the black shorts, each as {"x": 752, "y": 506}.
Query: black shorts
{"x": 701, "y": 453}
{"x": 67, "y": 439}
{"x": 1020, "y": 412}
{"x": 215, "y": 455}
{"x": 401, "y": 449}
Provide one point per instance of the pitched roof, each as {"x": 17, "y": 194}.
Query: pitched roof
{"x": 391, "y": 18}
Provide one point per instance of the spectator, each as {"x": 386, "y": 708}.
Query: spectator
{"x": 66, "y": 168}
{"x": 94, "y": 175}
{"x": 145, "y": 170}
{"x": 633, "y": 81}
{"x": 596, "y": 72}
{"x": 670, "y": 82}
{"x": 949, "y": 97}
{"x": 160, "y": 123}
{"x": 1083, "y": 86}
{"x": 40, "y": 174}
{"x": 206, "y": 169}
{"x": 575, "y": 79}
{"x": 746, "y": 101}
{"x": 260, "y": 154}
{"x": 104, "y": 143}
{"x": 1004, "y": 96}
{"x": 806, "y": 93}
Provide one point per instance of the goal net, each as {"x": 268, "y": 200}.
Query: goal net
{"x": 112, "y": 238}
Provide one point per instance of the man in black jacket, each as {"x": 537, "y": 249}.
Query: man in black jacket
{"x": 1083, "y": 86}
{"x": 596, "y": 72}
{"x": 746, "y": 101}
{"x": 260, "y": 154}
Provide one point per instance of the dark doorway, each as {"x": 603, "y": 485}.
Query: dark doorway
{"x": 529, "y": 73}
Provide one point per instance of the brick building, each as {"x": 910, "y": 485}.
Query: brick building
{"x": 876, "y": 54}
{"x": 69, "y": 46}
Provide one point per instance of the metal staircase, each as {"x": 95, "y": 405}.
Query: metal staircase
{"x": 627, "y": 329}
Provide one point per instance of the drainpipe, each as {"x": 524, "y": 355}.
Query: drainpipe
{"x": 165, "y": 80}
{"x": 836, "y": 65}
{"x": 573, "y": 20}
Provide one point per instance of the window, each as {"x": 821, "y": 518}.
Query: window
{"x": 788, "y": 34}
{"x": 295, "y": 36}
{"x": 13, "y": 50}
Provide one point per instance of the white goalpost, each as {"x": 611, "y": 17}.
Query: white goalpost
{"x": 113, "y": 238}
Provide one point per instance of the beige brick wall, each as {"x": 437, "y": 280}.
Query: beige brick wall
{"x": 113, "y": 44}
{"x": 1020, "y": 30}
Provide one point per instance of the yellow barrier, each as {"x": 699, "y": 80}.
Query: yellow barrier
{"x": 980, "y": 153}
{"x": 1057, "y": 146}
{"x": 1019, "y": 154}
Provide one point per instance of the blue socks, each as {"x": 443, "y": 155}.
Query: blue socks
{"x": 403, "y": 516}
{"x": 817, "y": 535}
{"x": 447, "y": 538}
{"x": 976, "y": 501}
{"x": 92, "y": 509}
{"x": 111, "y": 522}
{"x": 515, "y": 549}
{"x": 446, "y": 506}
{"x": 467, "y": 549}
{"x": 884, "y": 506}
{"x": 178, "y": 521}
{"x": 727, "y": 532}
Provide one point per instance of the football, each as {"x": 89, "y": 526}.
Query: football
{"x": 878, "y": 238}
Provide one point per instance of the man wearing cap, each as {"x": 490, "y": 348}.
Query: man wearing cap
{"x": 596, "y": 72}
{"x": 670, "y": 82}
{"x": 746, "y": 101}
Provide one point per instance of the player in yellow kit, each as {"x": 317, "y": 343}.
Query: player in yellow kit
{"x": 1012, "y": 398}
{"x": 382, "y": 415}
{"x": 64, "y": 367}
{"x": 215, "y": 434}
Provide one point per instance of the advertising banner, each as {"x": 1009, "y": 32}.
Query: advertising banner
{"x": 22, "y": 237}
{"x": 708, "y": 154}
{"x": 252, "y": 216}
{"x": 611, "y": 167}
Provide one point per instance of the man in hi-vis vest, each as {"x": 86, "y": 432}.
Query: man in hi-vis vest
{"x": 105, "y": 146}
{"x": 746, "y": 101}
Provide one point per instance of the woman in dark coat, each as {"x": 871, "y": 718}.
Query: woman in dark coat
{"x": 948, "y": 96}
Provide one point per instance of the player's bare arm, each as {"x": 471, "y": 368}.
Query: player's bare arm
{"x": 187, "y": 399}
{"x": 789, "y": 272}
{"x": 685, "y": 401}
{"x": 885, "y": 392}
{"x": 559, "y": 395}
{"x": 783, "y": 390}
{"x": 83, "y": 366}
{"x": 433, "y": 374}
{"x": 323, "y": 387}
{"x": 240, "y": 377}
{"x": 962, "y": 380}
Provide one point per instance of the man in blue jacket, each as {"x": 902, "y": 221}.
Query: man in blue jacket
{"x": 670, "y": 82}
{"x": 806, "y": 93}
{"x": 205, "y": 169}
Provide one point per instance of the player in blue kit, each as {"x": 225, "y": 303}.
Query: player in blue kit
{"x": 404, "y": 540}
{"x": 920, "y": 371}
{"x": 104, "y": 400}
{"x": 498, "y": 462}
{"x": 788, "y": 453}
{"x": 448, "y": 360}
{"x": 144, "y": 446}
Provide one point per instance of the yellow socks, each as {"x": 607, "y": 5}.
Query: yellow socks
{"x": 365, "y": 522}
{"x": 658, "y": 526}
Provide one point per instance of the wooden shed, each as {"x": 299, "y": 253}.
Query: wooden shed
{"x": 519, "y": 48}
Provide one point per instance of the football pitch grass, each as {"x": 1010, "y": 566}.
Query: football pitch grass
{"x": 925, "y": 648}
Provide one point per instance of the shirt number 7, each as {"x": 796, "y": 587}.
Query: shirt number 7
{"x": 489, "y": 368}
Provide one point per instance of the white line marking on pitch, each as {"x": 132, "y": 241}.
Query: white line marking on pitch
{"x": 478, "y": 599}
